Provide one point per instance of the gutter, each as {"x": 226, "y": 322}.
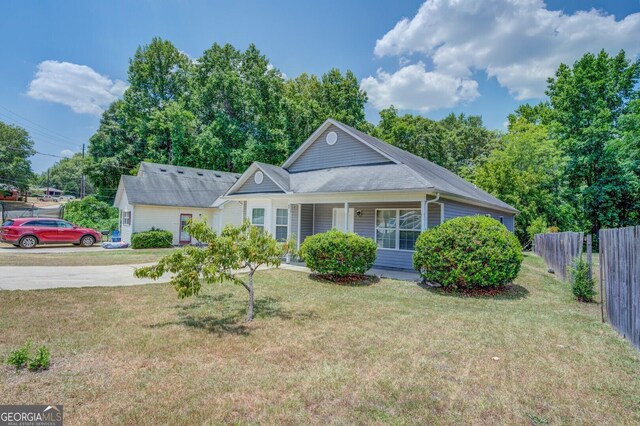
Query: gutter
{"x": 425, "y": 219}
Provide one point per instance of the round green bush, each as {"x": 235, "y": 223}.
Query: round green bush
{"x": 337, "y": 254}
{"x": 468, "y": 252}
{"x": 155, "y": 238}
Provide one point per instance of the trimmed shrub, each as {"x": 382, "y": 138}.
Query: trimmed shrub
{"x": 336, "y": 254}
{"x": 155, "y": 238}
{"x": 468, "y": 252}
{"x": 581, "y": 285}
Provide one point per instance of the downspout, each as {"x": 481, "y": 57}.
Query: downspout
{"x": 426, "y": 210}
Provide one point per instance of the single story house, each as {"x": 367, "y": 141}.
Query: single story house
{"x": 346, "y": 179}
{"x": 166, "y": 197}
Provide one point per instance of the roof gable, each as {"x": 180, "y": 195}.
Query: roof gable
{"x": 274, "y": 180}
{"x": 332, "y": 146}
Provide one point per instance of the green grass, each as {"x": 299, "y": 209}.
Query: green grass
{"x": 390, "y": 352}
{"x": 77, "y": 257}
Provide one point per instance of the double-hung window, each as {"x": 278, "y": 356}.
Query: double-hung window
{"x": 282, "y": 224}
{"x": 257, "y": 218}
{"x": 126, "y": 218}
{"x": 397, "y": 229}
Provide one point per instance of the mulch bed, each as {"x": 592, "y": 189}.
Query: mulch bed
{"x": 348, "y": 280}
{"x": 507, "y": 290}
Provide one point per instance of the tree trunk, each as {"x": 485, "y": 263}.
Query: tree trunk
{"x": 250, "y": 285}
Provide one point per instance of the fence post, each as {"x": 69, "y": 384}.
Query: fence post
{"x": 589, "y": 253}
{"x": 600, "y": 262}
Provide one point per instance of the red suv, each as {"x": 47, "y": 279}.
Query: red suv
{"x": 29, "y": 232}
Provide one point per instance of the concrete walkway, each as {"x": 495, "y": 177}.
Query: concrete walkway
{"x": 43, "y": 277}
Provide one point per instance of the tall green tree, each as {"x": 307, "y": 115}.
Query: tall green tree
{"x": 16, "y": 147}
{"x": 238, "y": 99}
{"x": 528, "y": 174}
{"x": 588, "y": 100}
{"x": 311, "y": 100}
{"x": 455, "y": 142}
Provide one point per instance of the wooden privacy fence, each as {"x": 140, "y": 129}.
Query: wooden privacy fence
{"x": 620, "y": 272}
{"x": 559, "y": 250}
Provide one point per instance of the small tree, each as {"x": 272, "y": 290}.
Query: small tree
{"x": 222, "y": 259}
{"x": 582, "y": 285}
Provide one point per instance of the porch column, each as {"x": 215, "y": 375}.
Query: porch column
{"x": 423, "y": 208}
{"x": 299, "y": 222}
{"x": 346, "y": 216}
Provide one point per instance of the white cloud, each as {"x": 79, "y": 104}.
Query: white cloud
{"x": 67, "y": 153}
{"x": 413, "y": 87}
{"x": 519, "y": 42}
{"x": 77, "y": 86}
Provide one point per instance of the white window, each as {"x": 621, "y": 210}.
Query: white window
{"x": 257, "y": 218}
{"x": 126, "y": 218}
{"x": 397, "y": 229}
{"x": 282, "y": 224}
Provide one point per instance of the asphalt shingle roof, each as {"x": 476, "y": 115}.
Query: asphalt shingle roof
{"x": 166, "y": 185}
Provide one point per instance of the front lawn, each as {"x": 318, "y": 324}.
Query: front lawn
{"x": 322, "y": 353}
{"x": 79, "y": 257}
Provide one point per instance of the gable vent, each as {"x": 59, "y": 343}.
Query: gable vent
{"x": 332, "y": 138}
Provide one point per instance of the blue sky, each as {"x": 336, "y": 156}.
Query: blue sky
{"x": 64, "y": 61}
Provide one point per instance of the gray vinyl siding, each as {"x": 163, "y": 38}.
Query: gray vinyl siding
{"x": 453, "y": 209}
{"x": 251, "y": 187}
{"x": 244, "y": 210}
{"x": 433, "y": 215}
{"x": 306, "y": 221}
{"x": 365, "y": 225}
{"x": 293, "y": 226}
{"x": 347, "y": 151}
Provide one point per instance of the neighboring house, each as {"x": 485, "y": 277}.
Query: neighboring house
{"x": 51, "y": 191}
{"x": 343, "y": 178}
{"x": 166, "y": 197}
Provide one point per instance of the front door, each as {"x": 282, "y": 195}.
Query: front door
{"x": 185, "y": 238}
{"x": 338, "y": 219}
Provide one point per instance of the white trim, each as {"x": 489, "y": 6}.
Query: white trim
{"x": 258, "y": 177}
{"x": 264, "y": 217}
{"x": 397, "y": 229}
{"x": 275, "y": 225}
{"x": 346, "y": 217}
{"x": 298, "y": 152}
{"x": 299, "y": 222}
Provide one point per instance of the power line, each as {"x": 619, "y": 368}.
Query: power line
{"x": 33, "y": 122}
{"x": 42, "y": 130}
{"x": 34, "y": 152}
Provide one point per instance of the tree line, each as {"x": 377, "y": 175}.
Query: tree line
{"x": 569, "y": 163}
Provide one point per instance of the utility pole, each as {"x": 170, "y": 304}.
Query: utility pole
{"x": 82, "y": 184}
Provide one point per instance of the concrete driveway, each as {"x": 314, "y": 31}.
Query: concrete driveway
{"x": 8, "y": 248}
{"x": 41, "y": 277}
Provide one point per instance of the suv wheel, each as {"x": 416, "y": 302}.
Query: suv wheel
{"x": 28, "y": 242}
{"x": 87, "y": 241}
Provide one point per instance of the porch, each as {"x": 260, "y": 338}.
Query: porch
{"x": 394, "y": 226}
